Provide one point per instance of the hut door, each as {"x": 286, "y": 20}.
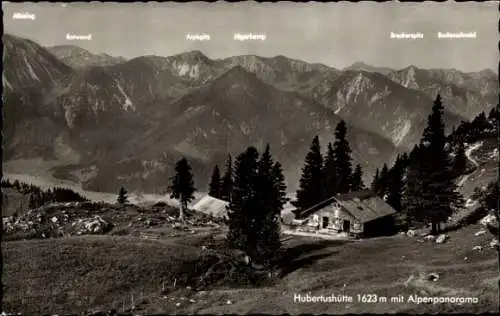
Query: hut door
{"x": 347, "y": 226}
{"x": 325, "y": 221}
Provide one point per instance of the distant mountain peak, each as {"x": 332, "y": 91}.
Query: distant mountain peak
{"x": 411, "y": 67}
{"x": 487, "y": 72}
{"x": 193, "y": 55}
{"x": 77, "y": 56}
{"x": 359, "y": 65}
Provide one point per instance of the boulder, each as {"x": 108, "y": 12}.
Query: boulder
{"x": 477, "y": 248}
{"x": 489, "y": 220}
{"x": 410, "y": 233}
{"x": 240, "y": 256}
{"x": 494, "y": 243}
{"x": 479, "y": 233}
{"x": 433, "y": 277}
{"x": 93, "y": 225}
{"x": 441, "y": 239}
{"x": 430, "y": 237}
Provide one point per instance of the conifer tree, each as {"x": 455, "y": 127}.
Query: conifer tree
{"x": 215, "y": 183}
{"x": 227, "y": 181}
{"x": 279, "y": 184}
{"x": 311, "y": 184}
{"x": 493, "y": 196}
{"x": 376, "y": 179}
{"x": 382, "y": 183}
{"x": 32, "y": 202}
{"x": 269, "y": 196}
{"x": 122, "y": 196}
{"x": 414, "y": 154}
{"x": 413, "y": 202}
{"x": 395, "y": 183}
{"x": 494, "y": 118}
{"x": 357, "y": 179}
{"x": 243, "y": 203}
{"x": 460, "y": 161}
{"x": 182, "y": 186}
{"x": 343, "y": 160}
{"x": 329, "y": 172}
{"x": 480, "y": 122}
{"x": 437, "y": 194}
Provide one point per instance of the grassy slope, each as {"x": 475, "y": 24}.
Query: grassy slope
{"x": 75, "y": 274}
{"x": 101, "y": 272}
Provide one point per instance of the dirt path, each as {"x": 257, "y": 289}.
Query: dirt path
{"x": 469, "y": 151}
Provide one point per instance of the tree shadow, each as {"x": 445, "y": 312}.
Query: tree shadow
{"x": 303, "y": 255}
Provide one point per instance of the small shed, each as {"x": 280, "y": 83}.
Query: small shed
{"x": 360, "y": 213}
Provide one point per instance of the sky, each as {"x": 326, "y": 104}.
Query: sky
{"x": 335, "y": 34}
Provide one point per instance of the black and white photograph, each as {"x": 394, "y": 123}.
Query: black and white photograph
{"x": 170, "y": 158}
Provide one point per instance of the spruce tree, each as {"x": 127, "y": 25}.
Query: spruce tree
{"x": 376, "y": 179}
{"x": 435, "y": 172}
{"x": 460, "y": 160}
{"x": 122, "y": 196}
{"x": 182, "y": 186}
{"x": 311, "y": 184}
{"x": 343, "y": 160}
{"x": 494, "y": 118}
{"x": 227, "y": 181}
{"x": 413, "y": 202}
{"x": 491, "y": 200}
{"x": 329, "y": 172}
{"x": 414, "y": 154}
{"x": 395, "y": 183}
{"x": 279, "y": 184}
{"x": 215, "y": 184}
{"x": 32, "y": 202}
{"x": 357, "y": 179}
{"x": 480, "y": 122}
{"x": 269, "y": 197}
{"x": 383, "y": 181}
{"x": 243, "y": 203}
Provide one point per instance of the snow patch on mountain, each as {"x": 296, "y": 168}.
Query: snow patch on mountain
{"x": 192, "y": 71}
{"x": 351, "y": 91}
{"x": 128, "y": 104}
{"x": 341, "y": 102}
{"x": 360, "y": 84}
{"x": 379, "y": 95}
{"x": 69, "y": 116}
{"x": 409, "y": 80}
{"x": 30, "y": 69}
{"x": 245, "y": 129}
{"x": 402, "y": 129}
{"x": 6, "y": 82}
{"x": 194, "y": 110}
{"x": 235, "y": 85}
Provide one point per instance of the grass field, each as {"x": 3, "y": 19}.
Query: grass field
{"x": 71, "y": 275}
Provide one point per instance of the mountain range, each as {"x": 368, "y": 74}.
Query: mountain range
{"x": 129, "y": 120}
